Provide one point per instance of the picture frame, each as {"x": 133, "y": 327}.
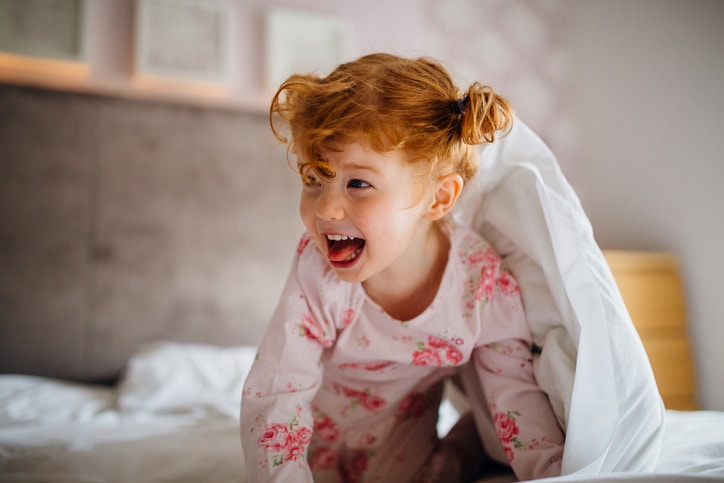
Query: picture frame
{"x": 44, "y": 29}
{"x": 182, "y": 40}
{"x": 299, "y": 41}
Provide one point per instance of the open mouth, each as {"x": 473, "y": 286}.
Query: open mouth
{"x": 343, "y": 250}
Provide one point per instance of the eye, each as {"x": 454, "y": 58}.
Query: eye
{"x": 358, "y": 184}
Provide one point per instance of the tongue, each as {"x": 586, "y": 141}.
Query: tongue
{"x": 341, "y": 250}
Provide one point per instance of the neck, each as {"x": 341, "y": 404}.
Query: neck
{"x": 407, "y": 290}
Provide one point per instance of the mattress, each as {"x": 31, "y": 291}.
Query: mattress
{"x": 174, "y": 418}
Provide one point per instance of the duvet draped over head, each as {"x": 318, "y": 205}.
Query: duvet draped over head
{"x": 592, "y": 363}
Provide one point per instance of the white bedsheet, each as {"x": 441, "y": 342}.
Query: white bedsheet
{"x": 168, "y": 449}
{"x": 54, "y": 431}
{"x": 173, "y": 417}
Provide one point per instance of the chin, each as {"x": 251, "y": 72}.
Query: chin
{"x": 347, "y": 276}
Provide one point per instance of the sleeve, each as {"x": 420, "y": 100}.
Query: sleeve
{"x": 521, "y": 414}
{"x": 276, "y": 418}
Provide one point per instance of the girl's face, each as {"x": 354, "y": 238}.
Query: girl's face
{"x": 369, "y": 220}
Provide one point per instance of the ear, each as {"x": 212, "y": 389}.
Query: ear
{"x": 447, "y": 192}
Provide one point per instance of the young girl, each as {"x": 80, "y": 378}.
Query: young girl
{"x": 386, "y": 297}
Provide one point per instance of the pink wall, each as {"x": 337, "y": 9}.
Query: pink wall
{"x": 650, "y": 112}
{"x": 628, "y": 95}
{"x": 518, "y": 47}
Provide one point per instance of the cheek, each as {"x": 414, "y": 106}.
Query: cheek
{"x": 306, "y": 213}
{"x": 308, "y": 217}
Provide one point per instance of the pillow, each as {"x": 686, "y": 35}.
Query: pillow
{"x": 170, "y": 377}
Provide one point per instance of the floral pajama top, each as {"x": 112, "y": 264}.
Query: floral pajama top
{"x": 335, "y": 373}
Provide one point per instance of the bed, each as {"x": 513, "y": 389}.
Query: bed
{"x": 173, "y": 414}
{"x": 174, "y": 418}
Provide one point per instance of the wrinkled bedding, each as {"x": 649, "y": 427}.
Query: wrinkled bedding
{"x": 158, "y": 427}
{"x": 173, "y": 417}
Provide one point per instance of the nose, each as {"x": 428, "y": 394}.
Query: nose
{"x": 330, "y": 205}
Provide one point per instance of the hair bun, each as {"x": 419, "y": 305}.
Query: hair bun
{"x": 484, "y": 114}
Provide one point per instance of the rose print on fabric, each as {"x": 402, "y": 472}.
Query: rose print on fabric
{"x": 249, "y": 392}
{"x": 484, "y": 256}
{"x": 288, "y": 442}
{"x": 367, "y": 366}
{"x": 310, "y": 329}
{"x": 413, "y": 406}
{"x": 303, "y": 242}
{"x": 491, "y": 276}
{"x": 437, "y": 352}
{"x": 507, "y": 284}
{"x": 519, "y": 351}
{"x": 348, "y": 317}
{"x": 507, "y": 430}
{"x": 359, "y": 399}
{"x": 363, "y": 341}
{"x": 508, "y": 434}
{"x": 426, "y": 357}
{"x": 356, "y": 467}
{"x": 325, "y": 427}
{"x": 323, "y": 458}
{"x": 505, "y": 426}
{"x": 490, "y": 280}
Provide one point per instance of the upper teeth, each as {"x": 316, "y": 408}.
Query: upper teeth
{"x": 339, "y": 237}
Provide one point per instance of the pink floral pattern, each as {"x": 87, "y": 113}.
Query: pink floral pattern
{"x": 288, "y": 442}
{"x": 367, "y": 366}
{"x": 508, "y": 431}
{"x": 303, "y": 242}
{"x": 484, "y": 256}
{"x": 325, "y": 427}
{"x": 518, "y": 351}
{"x": 356, "y": 467}
{"x": 323, "y": 458}
{"x": 348, "y": 317}
{"x": 413, "y": 406}
{"x": 491, "y": 275}
{"x": 310, "y": 329}
{"x": 508, "y": 434}
{"x": 374, "y": 361}
{"x": 364, "y": 399}
{"x": 437, "y": 352}
{"x": 506, "y": 427}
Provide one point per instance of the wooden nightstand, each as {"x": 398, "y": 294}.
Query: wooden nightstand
{"x": 651, "y": 286}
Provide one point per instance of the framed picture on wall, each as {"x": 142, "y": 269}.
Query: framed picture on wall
{"x": 184, "y": 40}
{"x": 301, "y": 41}
{"x": 47, "y": 29}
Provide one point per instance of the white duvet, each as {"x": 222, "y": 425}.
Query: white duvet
{"x": 187, "y": 429}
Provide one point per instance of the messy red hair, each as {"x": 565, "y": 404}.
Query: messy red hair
{"x": 394, "y": 104}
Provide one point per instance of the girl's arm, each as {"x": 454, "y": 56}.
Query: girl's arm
{"x": 521, "y": 413}
{"x": 276, "y": 420}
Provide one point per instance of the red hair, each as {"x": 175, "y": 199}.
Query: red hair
{"x": 394, "y": 104}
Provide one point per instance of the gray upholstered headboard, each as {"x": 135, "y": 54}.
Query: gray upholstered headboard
{"x": 124, "y": 222}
